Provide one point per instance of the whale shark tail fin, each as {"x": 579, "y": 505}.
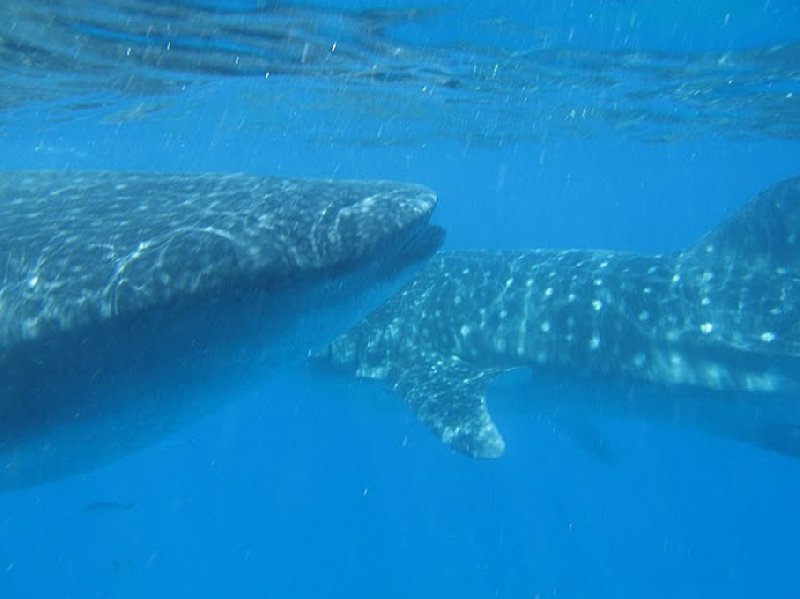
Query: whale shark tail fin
{"x": 765, "y": 231}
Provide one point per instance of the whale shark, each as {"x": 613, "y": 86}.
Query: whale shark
{"x": 705, "y": 338}
{"x": 132, "y": 302}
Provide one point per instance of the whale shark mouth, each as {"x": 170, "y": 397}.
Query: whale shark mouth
{"x": 414, "y": 251}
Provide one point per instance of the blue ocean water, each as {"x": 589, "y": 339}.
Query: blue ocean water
{"x": 617, "y": 124}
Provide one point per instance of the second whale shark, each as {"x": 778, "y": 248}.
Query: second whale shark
{"x": 715, "y": 327}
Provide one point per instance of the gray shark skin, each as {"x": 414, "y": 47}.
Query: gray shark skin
{"x": 721, "y": 317}
{"x": 128, "y": 300}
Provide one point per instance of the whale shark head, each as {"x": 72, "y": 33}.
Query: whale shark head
{"x": 132, "y": 302}
{"x": 721, "y": 316}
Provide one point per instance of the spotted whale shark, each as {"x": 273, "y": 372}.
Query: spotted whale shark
{"x": 130, "y": 302}
{"x": 711, "y": 332}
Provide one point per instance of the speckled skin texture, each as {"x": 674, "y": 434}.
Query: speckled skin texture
{"x": 79, "y": 247}
{"x": 721, "y": 316}
{"x": 133, "y": 302}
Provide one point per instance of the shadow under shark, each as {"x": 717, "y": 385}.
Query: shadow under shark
{"x": 721, "y": 317}
{"x": 132, "y": 302}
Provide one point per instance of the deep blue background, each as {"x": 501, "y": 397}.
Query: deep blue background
{"x": 309, "y": 487}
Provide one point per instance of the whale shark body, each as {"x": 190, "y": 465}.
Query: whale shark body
{"x": 722, "y": 317}
{"x": 129, "y": 300}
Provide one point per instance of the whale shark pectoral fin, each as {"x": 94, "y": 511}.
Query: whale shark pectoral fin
{"x": 451, "y": 400}
{"x": 590, "y": 439}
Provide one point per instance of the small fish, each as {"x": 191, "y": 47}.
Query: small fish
{"x": 107, "y": 506}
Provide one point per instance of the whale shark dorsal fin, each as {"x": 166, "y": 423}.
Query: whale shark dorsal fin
{"x": 766, "y": 230}
{"x": 450, "y": 398}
